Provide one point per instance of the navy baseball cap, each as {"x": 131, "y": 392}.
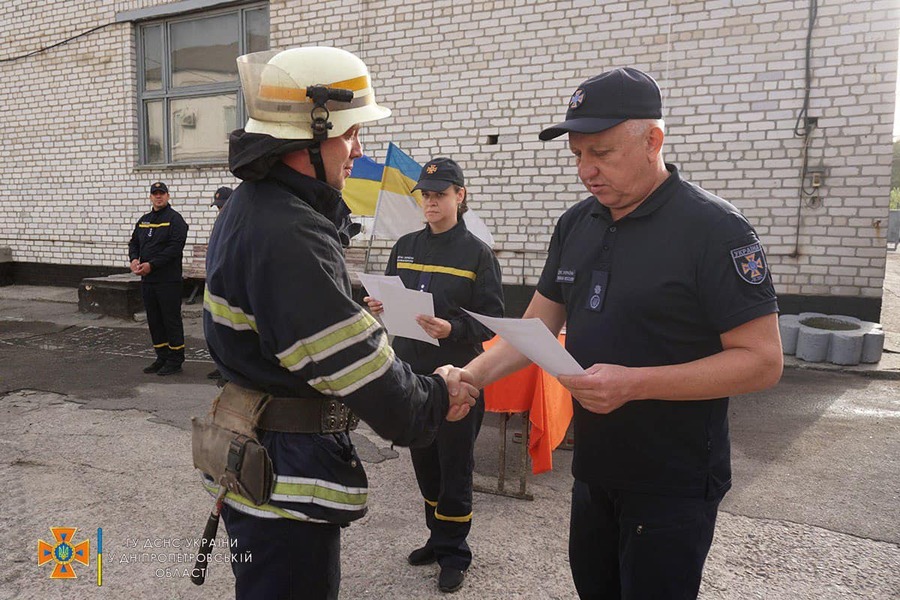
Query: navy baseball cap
{"x": 222, "y": 194}
{"x": 438, "y": 174}
{"x": 604, "y": 101}
{"x": 159, "y": 186}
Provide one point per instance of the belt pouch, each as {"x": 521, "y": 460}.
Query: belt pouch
{"x": 225, "y": 445}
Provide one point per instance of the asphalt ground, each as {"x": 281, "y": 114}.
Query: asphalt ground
{"x": 91, "y": 442}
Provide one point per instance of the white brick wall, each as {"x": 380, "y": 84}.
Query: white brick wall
{"x": 456, "y": 71}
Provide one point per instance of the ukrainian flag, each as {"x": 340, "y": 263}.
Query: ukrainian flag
{"x": 362, "y": 187}
{"x": 399, "y": 208}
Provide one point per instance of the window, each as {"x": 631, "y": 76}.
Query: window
{"x": 188, "y": 84}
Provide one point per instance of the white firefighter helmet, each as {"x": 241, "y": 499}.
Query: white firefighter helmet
{"x": 275, "y": 91}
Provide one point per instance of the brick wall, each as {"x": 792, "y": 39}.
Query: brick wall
{"x": 458, "y": 71}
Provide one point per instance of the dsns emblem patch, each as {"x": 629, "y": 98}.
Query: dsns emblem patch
{"x": 576, "y": 99}
{"x": 750, "y": 263}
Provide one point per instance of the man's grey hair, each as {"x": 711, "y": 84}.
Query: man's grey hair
{"x": 638, "y": 127}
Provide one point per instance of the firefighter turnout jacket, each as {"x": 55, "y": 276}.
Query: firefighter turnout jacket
{"x": 459, "y": 271}
{"x": 159, "y": 238}
{"x": 279, "y": 318}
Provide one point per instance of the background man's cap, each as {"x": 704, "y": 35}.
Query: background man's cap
{"x": 159, "y": 186}
{"x": 604, "y": 101}
{"x": 438, "y": 174}
{"x": 222, "y": 194}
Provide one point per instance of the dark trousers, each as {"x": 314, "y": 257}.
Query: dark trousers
{"x": 631, "y": 546}
{"x": 162, "y": 301}
{"x": 444, "y": 473}
{"x": 290, "y": 560}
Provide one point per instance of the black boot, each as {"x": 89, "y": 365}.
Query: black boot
{"x": 169, "y": 369}
{"x": 450, "y": 579}
{"x": 421, "y": 556}
{"x": 155, "y": 366}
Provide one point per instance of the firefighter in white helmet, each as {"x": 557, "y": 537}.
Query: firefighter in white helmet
{"x": 280, "y": 323}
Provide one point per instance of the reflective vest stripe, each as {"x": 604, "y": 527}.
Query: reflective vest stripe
{"x": 436, "y": 269}
{"x": 227, "y": 315}
{"x": 358, "y": 374}
{"x": 151, "y": 225}
{"x": 328, "y": 341}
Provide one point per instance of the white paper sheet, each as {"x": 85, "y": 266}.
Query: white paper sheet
{"x": 400, "y": 309}
{"x": 532, "y": 338}
{"x": 373, "y": 283}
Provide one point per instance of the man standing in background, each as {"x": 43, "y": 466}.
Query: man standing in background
{"x": 221, "y": 197}
{"x": 155, "y": 250}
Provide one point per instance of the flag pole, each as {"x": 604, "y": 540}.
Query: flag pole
{"x": 377, "y": 208}
{"x": 369, "y": 246}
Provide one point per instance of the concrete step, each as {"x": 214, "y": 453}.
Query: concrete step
{"x": 114, "y": 295}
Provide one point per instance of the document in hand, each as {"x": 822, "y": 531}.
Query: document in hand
{"x": 532, "y": 338}
{"x": 400, "y": 309}
{"x": 373, "y": 283}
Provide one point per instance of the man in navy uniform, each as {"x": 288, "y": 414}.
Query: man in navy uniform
{"x": 669, "y": 306}
{"x": 155, "y": 250}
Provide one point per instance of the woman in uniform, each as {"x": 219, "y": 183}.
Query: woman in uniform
{"x": 460, "y": 271}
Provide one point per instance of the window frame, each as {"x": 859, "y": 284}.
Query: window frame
{"x": 167, "y": 93}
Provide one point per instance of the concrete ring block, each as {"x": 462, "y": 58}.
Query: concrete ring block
{"x": 873, "y": 345}
{"x": 838, "y": 339}
{"x": 789, "y": 327}
{"x": 808, "y": 315}
{"x": 846, "y": 319}
{"x": 845, "y": 348}
{"x": 812, "y": 344}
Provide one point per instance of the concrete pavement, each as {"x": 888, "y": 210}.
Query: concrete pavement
{"x": 90, "y": 442}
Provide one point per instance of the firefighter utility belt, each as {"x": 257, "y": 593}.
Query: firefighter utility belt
{"x": 225, "y": 444}
{"x": 307, "y": 415}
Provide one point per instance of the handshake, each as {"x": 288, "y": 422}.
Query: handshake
{"x": 462, "y": 388}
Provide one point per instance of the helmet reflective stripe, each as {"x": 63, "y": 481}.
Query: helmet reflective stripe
{"x": 271, "y": 92}
{"x": 275, "y": 85}
{"x": 301, "y": 106}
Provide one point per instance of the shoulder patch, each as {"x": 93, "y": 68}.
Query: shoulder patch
{"x": 750, "y": 263}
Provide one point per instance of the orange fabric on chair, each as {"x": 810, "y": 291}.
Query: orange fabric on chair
{"x": 549, "y": 403}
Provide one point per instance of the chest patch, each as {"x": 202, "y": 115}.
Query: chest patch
{"x": 750, "y": 263}
{"x": 565, "y": 276}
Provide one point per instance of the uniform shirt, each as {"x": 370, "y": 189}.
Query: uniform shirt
{"x": 657, "y": 287}
{"x": 279, "y": 318}
{"x": 159, "y": 238}
{"x": 459, "y": 271}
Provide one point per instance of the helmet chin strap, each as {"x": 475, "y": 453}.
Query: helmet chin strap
{"x": 315, "y": 157}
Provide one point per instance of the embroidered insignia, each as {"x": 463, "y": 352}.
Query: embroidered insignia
{"x": 595, "y": 299}
{"x": 431, "y": 169}
{"x": 565, "y": 276}
{"x": 577, "y": 98}
{"x": 750, "y": 263}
